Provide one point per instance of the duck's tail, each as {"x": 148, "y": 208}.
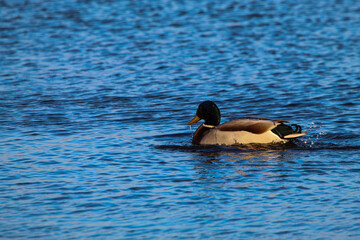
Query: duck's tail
{"x": 287, "y": 132}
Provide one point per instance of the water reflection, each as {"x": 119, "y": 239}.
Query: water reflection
{"x": 240, "y": 166}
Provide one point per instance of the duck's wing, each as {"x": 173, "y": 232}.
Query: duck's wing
{"x": 253, "y": 125}
{"x": 263, "y": 118}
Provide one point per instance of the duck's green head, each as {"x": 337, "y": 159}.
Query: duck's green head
{"x": 209, "y": 112}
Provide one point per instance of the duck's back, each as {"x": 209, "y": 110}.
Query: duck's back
{"x": 251, "y": 125}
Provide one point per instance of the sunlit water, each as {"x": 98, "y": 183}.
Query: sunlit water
{"x": 95, "y": 98}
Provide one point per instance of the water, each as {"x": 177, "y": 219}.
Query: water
{"x": 95, "y": 97}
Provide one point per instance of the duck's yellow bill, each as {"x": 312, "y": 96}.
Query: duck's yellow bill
{"x": 194, "y": 120}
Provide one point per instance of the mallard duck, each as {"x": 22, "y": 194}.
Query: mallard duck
{"x": 240, "y": 131}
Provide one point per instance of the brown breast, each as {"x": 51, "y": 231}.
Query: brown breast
{"x": 200, "y": 133}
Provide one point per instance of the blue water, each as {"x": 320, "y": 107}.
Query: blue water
{"x": 95, "y": 97}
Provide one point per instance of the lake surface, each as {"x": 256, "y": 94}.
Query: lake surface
{"x": 95, "y": 97}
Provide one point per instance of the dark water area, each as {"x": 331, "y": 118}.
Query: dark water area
{"x": 95, "y": 97}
